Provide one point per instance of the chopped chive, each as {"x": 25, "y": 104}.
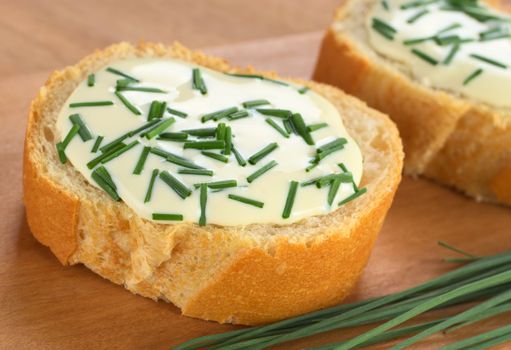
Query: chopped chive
{"x": 416, "y": 3}
{"x": 303, "y": 90}
{"x": 219, "y": 114}
{"x": 203, "y": 201}
{"x": 72, "y": 133}
{"x": 449, "y": 28}
{"x": 280, "y": 82}
{"x": 104, "y": 181}
{"x": 472, "y": 76}
{"x": 220, "y": 132}
{"x": 417, "y": 16}
{"x": 314, "y": 163}
{"x": 385, "y": 4}
{"x": 344, "y": 169}
{"x": 238, "y": 115}
{"x": 257, "y": 76}
{"x": 156, "y": 110}
{"x": 178, "y": 187}
{"x": 198, "y": 81}
{"x": 228, "y": 141}
{"x": 215, "y": 156}
{"x": 198, "y": 172}
{"x": 204, "y": 132}
{"x": 383, "y": 28}
{"x": 141, "y": 161}
{"x": 261, "y": 171}
{"x": 106, "y": 176}
{"x": 314, "y": 127}
{"x": 239, "y": 158}
{"x": 121, "y": 138}
{"x": 332, "y": 144}
{"x": 91, "y": 80}
{"x": 118, "y": 152}
{"x": 353, "y": 196}
{"x": 167, "y": 217}
{"x": 263, "y": 153}
{"x": 301, "y": 128}
{"x": 118, "y": 72}
{"x": 142, "y": 128}
{"x": 424, "y": 56}
{"x": 346, "y": 177}
{"x": 246, "y": 200}
{"x": 277, "y": 127}
{"x": 84, "y": 132}
{"x": 91, "y": 104}
{"x": 496, "y": 37}
{"x": 289, "y": 127}
{"x": 255, "y": 103}
{"x": 91, "y": 164}
{"x": 159, "y": 128}
{"x": 173, "y": 136}
{"x": 451, "y": 39}
{"x": 454, "y": 50}
{"x": 142, "y": 89}
{"x": 415, "y": 41}
{"x": 332, "y": 192}
{"x": 149, "y": 192}
{"x": 204, "y": 144}
{"x": 488, "y": 60}
{"x": 97, "y": 143}
{"x": 173, "y": 158}
{"x": 122, "y": 83}
{"x": 290, "y": 200}
{"x": 272, "y": 112}
{"x": 177, "y": 113}
{"x": 218, "y": 185}
{"x": 127, "y": 103}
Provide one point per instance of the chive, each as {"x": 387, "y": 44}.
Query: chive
{"x": 424, "y": 56}
{"x": 215, "y": 156}
{"x": 328, "y": 179}
{"x": 329, "y": 148}
{"x": 451, "y": 39}
{"x": 263, "y": 153}
{"x": 204, "y": 132}
{"x": 156, "y": 110}
{"x": 61, "y": 146}
{"x": 91, "y": 164}
{"x": 332, "y": 192}
{"x": 118, "y": 72}
{"x": 472, "y": 76}
{"x": 301, "y": 128}
{"x": 104, "y": 181}
{"x": 484, "y": 340}
{"x": 149, "y": 192}
{"x": 273, "y": 112}
{"x": 159, "y": 128}
{"x": 198, "y": 172}
{"x": 175, "y": 159}
{"x": 238, "y": 115}
{"x": 218, "y": 185}
{"x": 255, "y": 103}
{"x": 454, "y": 50}
{"x": 290, "y": 200}
{"x": 488, "y": 60}
{"x": 353, "y": 196}
{"x": 142, "y": 128}
{"x": 177, "y": 113}
{"x": 417, "y": 16}
{"x": 83, "y": 131}
{"x": 219, "y": 114}
{"x": 167, "y": 217}
{"x": 256, "y": 76}
{"x": 173, "y": 136}
{"x": 97, "y": 143}
{"x": 239, "y": 158}
{"x": 417, "y": 3}
{"x": 314, "y": 163}
{"x": 118, "y": 152}
{"x": 384, "y": 29}
{"x": 314, "y": 127}
{"x": 91, "y": 80}
{"x": 131, "y": 133}
{"x": 246, "y": 200}
{"x": 280, "y": 82}
{"x": 122, "y": 83}
{"x": 449, "y": 28}
{"x": 220, "y": 132}
{"x": 228, "y": 141}
{"x": 344, "y": 169}
{"x": 303, "y": 90}
{"x": 289, "y": 127}
{"x": 415, "y": 41}
{"x": 141, "y": 161}
{"x": 127, "y": 103}
{"x": 204, "y": 144}
{"x": 275, "y": 126}
{"x": 203, "y": 201}
{"x": 198, "y": 81}
{"x": 496, "y": 37}
{"x": 175, "y": 184}
{"x": 385, "y": 4}
{"x": 142, "y": 89}
{"x": 261, "y": 171}
{"x": 106, "y": 176}
{"x": 91, "y": 104}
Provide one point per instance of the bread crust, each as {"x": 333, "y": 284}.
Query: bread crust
{"x": 243, "y": 274}
{"x": 454, "y": 141}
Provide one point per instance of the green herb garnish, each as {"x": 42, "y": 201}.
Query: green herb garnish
{"x": 416, "y": 3}
{"x": 452, "y": 53}
{"x": 239, "y": 158}
{"x": 300, "y": 127}
{"x": 175, "y": 159}
{"x": 303, "y": 90}
{"x": 198, "y": 172}
{"x": 262, "y": 153}
{"x": 84, "y": 132}
{"x": 386, "y": 30}
{"x": 265, "y": 168}
{"x": 290, "y": 200}
{"x": 91, "y": 164}
{"x": 91, "y": 104}
{"x": 118, "y": 72}
{"x": 141, "y": 161}
{"x": 167, "y": 217}
{"x": 149, "y": 192}
{"x": 215, "y": 156}
{"x": 255, "y": 103}
{"x": 127, "y": 103}
{"x": 472, "y": 76}
{"x": 173, "y": 136}
{"x": 246, "y": 200}
{"x": 61, "y": 146}
{"x": 118, "y": 152}
{"x": 177, "y": 113}
{"x": 204, "y": 132}
{"x": 314, "y": 127}
{"x": 178, "y": 187}
{"x": 198, "y": 81}
{"x": 272, "y": 112}
{"x": 488, "y": 60}
{"x": 159, "y": 128}
{"x": 353, "y": 196}
{"x": 228, "y": 141}
{"x": 104, "y": 180}
{"x": 97, "y": 143}
{"x": 238, "y": 115}
{"x": 217, "y": 115}
{"x": 277, "y": 127}
{"x": 91, "y": 80}
{"x": 204, "y": 144}
{"x": 425, "y": 57}
{"x": 156, "y": 110}
{"x": 203, "y": 202}
{"x": 417, "y": 16}
{"x": 219, "y": 185}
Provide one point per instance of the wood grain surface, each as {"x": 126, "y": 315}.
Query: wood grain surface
{"x": 47, "y": 306}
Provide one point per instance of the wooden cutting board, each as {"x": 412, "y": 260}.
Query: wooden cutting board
{"x": 47, "y": 306}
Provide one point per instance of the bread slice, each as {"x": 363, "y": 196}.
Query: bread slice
{"x": 450, "y": 139}
{"x": 239, "y": 274}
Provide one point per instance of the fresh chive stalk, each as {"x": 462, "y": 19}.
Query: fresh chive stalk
{"x": 290, "y": 200}
{"x": 217, "y": 115}
{"x": 303, "y": 90}
{"x": 141, "y": 161}
{"x": 314, "y": 127}
{"x": 246, "y": 200}
{"x": 127, "y": 103}
{"x": 91, "y": 80}
{"x": 97, "y": 143}
{"x": 177, "y": 113}
{"x": 277, "y": 127}
{"x": 173, "y": 136}
{"x": 91, "y": 164}
{"x": 84, "y": 131}
{"x": 198, "y": 81}
{"x": 142, "y": 89}
{"x": 255, "y": 158}
{"x": 198, "y": 172}
{"x": 167, "y": 217}
{"x": 117, "y": 153}
{"x": 149, "y": 192}
{"x": 203, "y": 202}
{"x": 228, "y": 141}
{"x": 159, "y": 128}
{"x": 217, "y": 144}
{"x": 118, "y": 72}
{"x": 255, "y": 103}
{"x": 383, "y": 28}
{"x": 472, "y": 76}
{"x": 204, "y": 132}
{"x": 239, "y": 158}
{"x": 61, "y": 146}
{"x": 332, "y": 192}
{"x": 452, "y": 53}
{"x": 261, "y": 171}
{"x": 91, "y": 104}
{"x": 104, "y": 180}
{"x": 219, "y": 185}
{"x": 215, "y": 156}
{"x": 416, "y": 3}
{"x": 178, "y": 187}
{"x": 417, "y": 16}
{"x": 488, "y": 60}
{"x": 238, "y": 115}
{"x": 175, "y": 159}
{"x": 353, "y": 196}
{"x": 220, "y": 131}
{"x": 300, "y": 127}
{"x": 273, "y": 112}
{"x": 425, "y": 57}
{"x": 156, "y": 110}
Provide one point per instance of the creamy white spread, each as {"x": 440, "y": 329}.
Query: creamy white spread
{"x": 472, "y": 31}
{"x": 249, "y": 135}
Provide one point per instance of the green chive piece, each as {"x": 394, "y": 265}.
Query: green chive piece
{"x": 424, "y": 56}
{"x": 104, "y": 181}
{"x": 175, "y": 159}
{"x": 177, "y": 113}
{"x": 353, "y": 196}
{"x": 173, "y": 136}
{"x": 332, "y": 192}
{"x": 251, "y": 178}
{"x": 149, "y": 192}
{"x": 159, "y": 128}
{"x": 299, "y": 124}
{"x": 484, "y": 340}
{"x": 84, "y": 132}
{"x": 263, "y": 153}
{"x": 289, "y": 127}
{"x": 91, "y": 80}
{"x": 91, "y": 164}
{"x": 118, "y": 72}
{"x": 488, "y": 60}
{"x": 314, "y": 163}
{"x": 198, "y": 81}
{"x": 385, "y": 4}
{"x": 277, "y": 127}
{"x": 327, "y": 149}
{"x": 91, "y": 104}
{"x": 344, "y": 169}
{"x": 416, "y": 3}
{"x": 454, "y": 50}
{"x": 120, "y": 151}
{"x": 228, "y": 141}
{"x": 219, "y": 114}
{"x": 220, "y": 132}
{"x": 257, "y": 76}
{"x": 122, "y": 83}
{"x": 218, "y": 185}
{"x": 328, "y": 179}
{"x": 415, "y": 41}
{"x": 314, "y": 127}
{"x": 167, "y": 217}
{"x": 383, "y": 28}
{"x": 472, "y": 76}
{"x": 97, "y": 143}
{"x": 239, "y": 158}
{"x": 106, "y": 176}
{"x": 303, "y": 90}
{"x": 417, "y": 16}
{"x": 203, "y": 202}
{"x": 204, "y": 145}
{"x": 215, "y": 156}
{"x": 141, "y": 161}
{"x": 178, "y": 187}
{"x": 449, "y": 28}
{"x": 204, "y": 132}
{"x": 272, "y": 112}
{"x": 131, "y": 133}
{"x": 61, "y": 146}
{"x": 290, "y": 200}
{"x": 198, "y": 172}
{"x": 238, "y": 115}
{"x": 255, "y": 103}
{"x": 142, "y": 89}
{"x": 127, "y": 103}
{"x": 61, "y": 153}
{"x": 156, "y": 110}
{"x": 246, "y": 200}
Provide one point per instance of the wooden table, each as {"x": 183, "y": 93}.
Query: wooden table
{"x": 47, "y": 306}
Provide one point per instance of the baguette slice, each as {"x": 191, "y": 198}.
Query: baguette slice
{"x": 239, "y": 274}
{"x": 450, "y": 139}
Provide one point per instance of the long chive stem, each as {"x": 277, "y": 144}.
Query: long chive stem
{"x": 141, "y": 161}
{"x": 178, "y": 187}
{"x": 127, "y": 103}
{"x": 277, "y": 127}
{"x": 84, "y": 131}
{"x": 203, "y": 202}
{"x": 246, "y": 200}
{"x": 255, "y": 158}
{"x": 156, "y": 130}
{"x": 149, "y": 192}
{"x": 91, "y": 104}
{"x": 264, "y": 169}
{"x": 290, "y": 200}
{"x": 215, "y": 156}
{"x": 167, "y": 217}
{"x": 118, "y": 72}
